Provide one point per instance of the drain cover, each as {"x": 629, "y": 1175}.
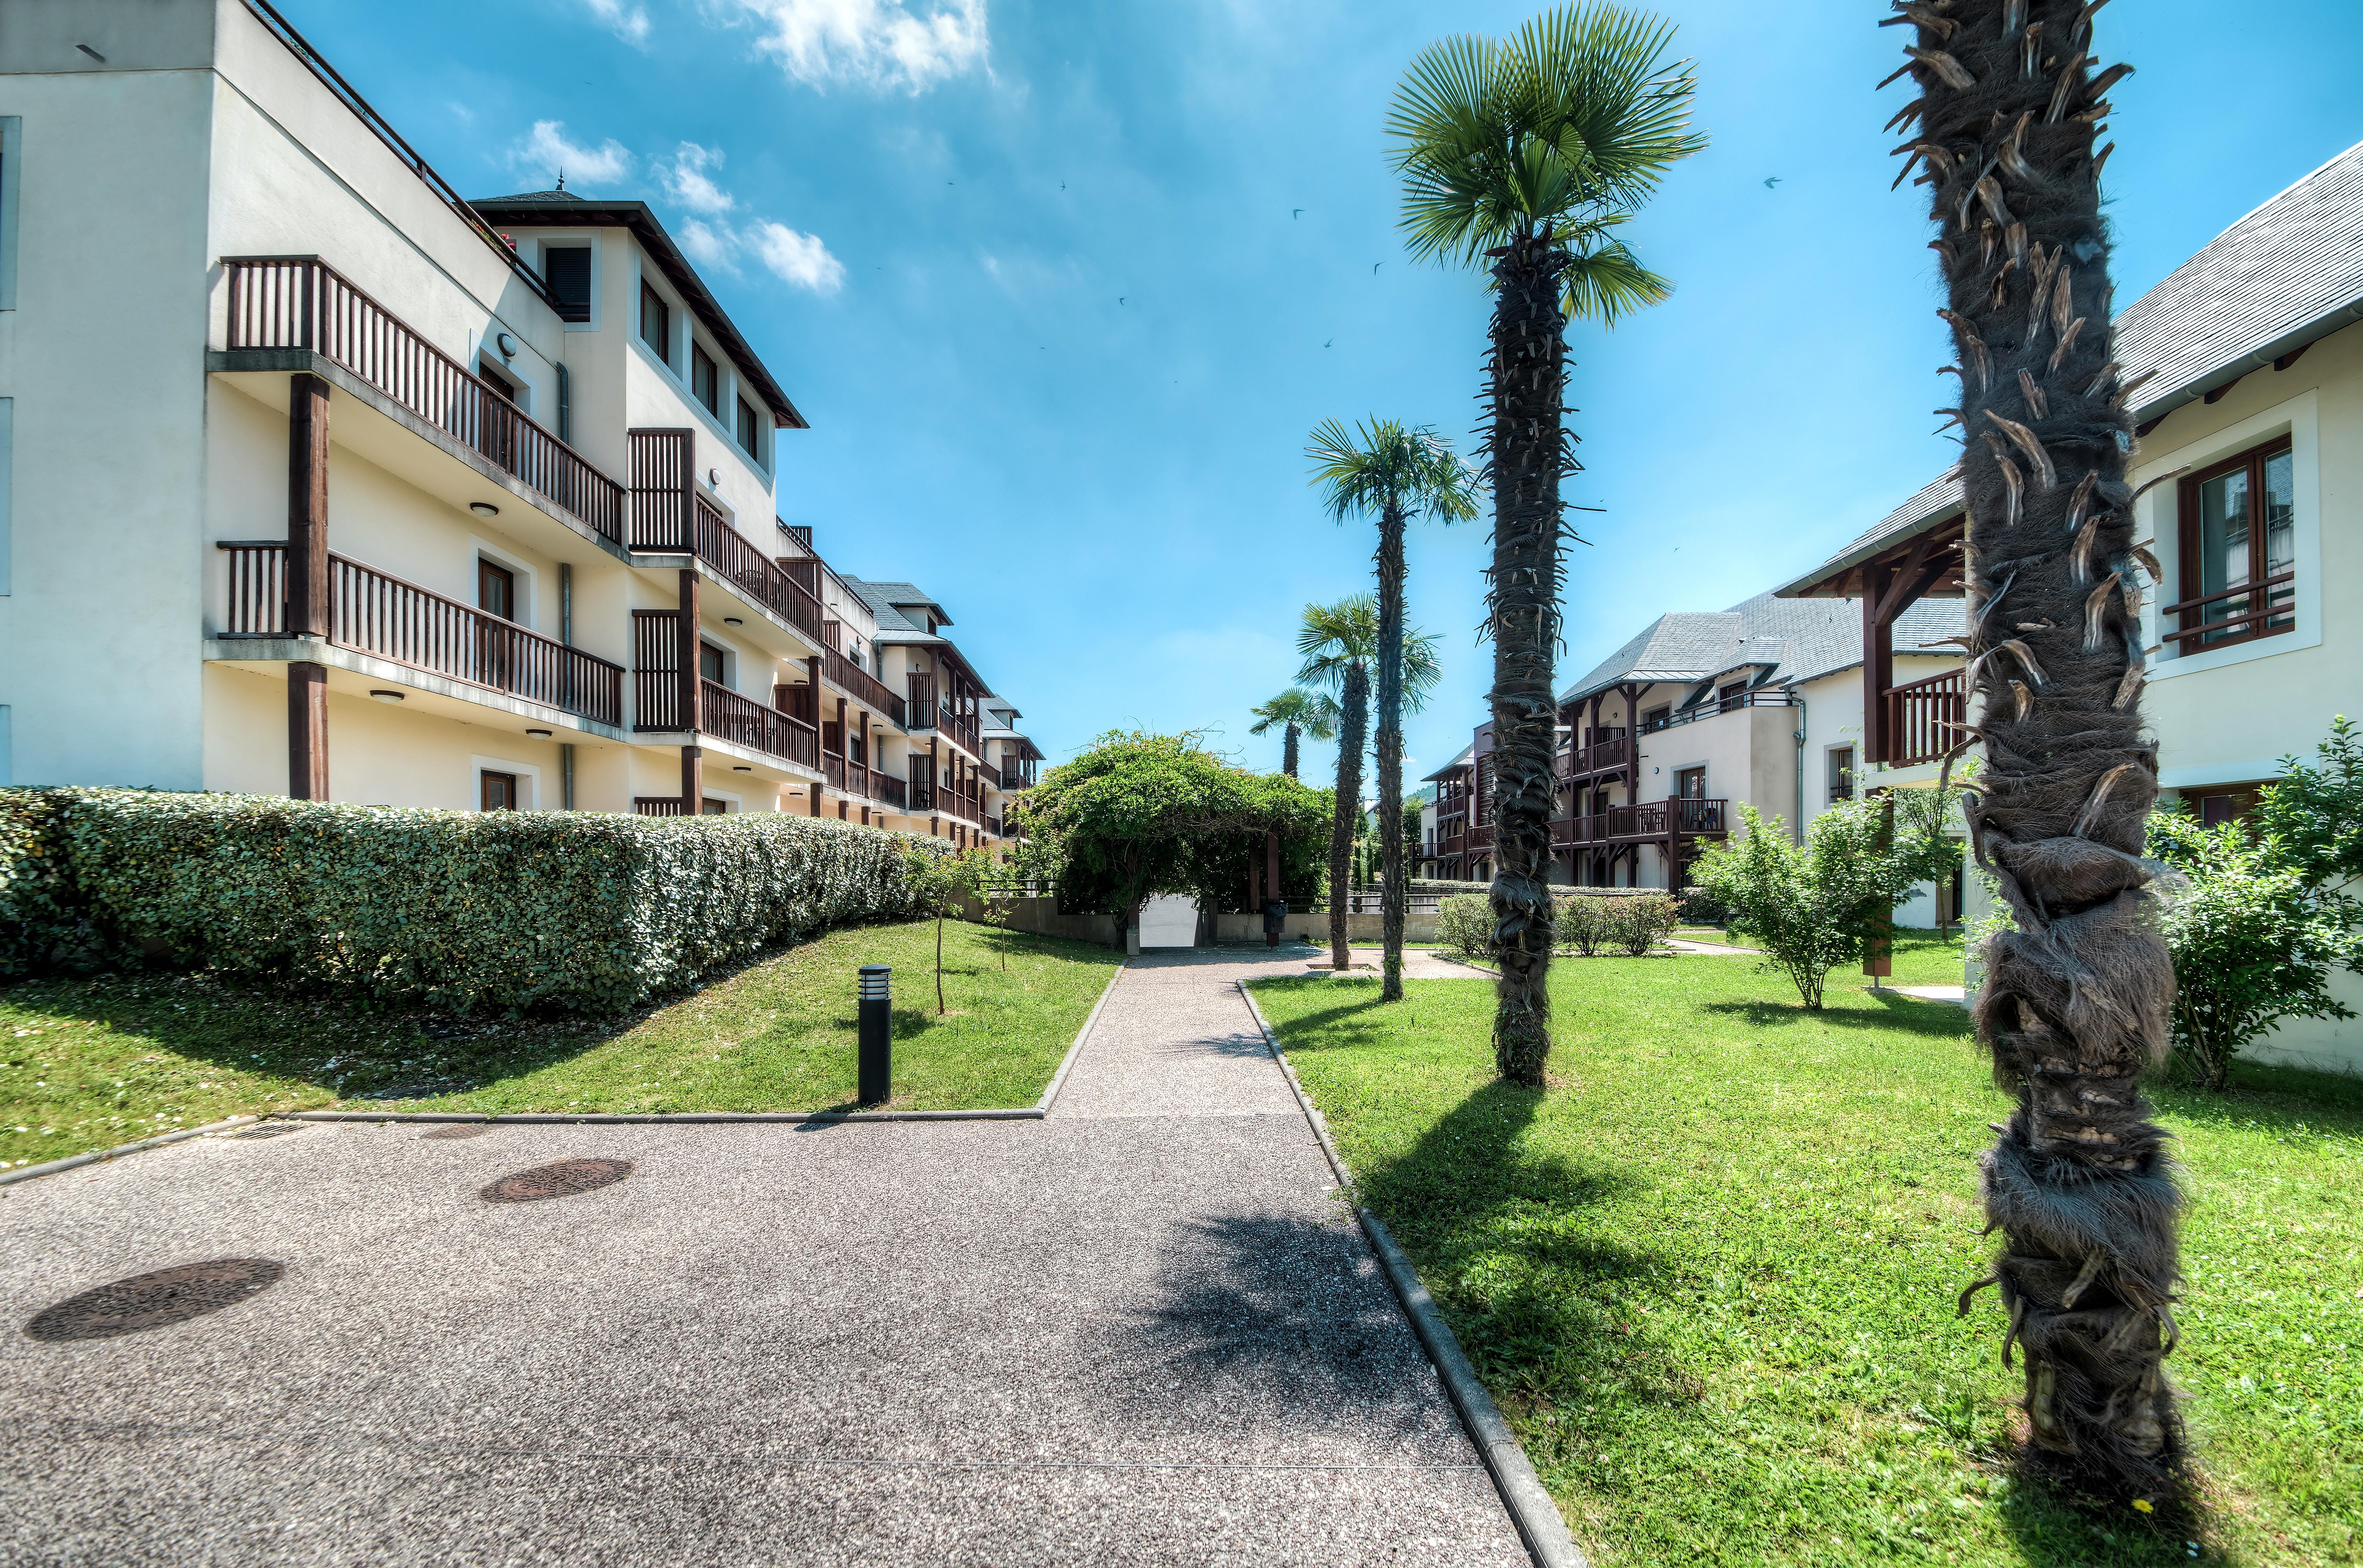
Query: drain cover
{"x": 269, "y": 1130}
{"x": 458, "y": 1129}
{"x": 153, "y": 1300}
{"x": 562, "y": 1180}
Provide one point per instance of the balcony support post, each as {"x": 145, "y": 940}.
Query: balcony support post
{"x": 693, "y": 780}
{"x": 307, "y": 731}
{"x": 1878, "y": 664}
{"x": 685, "y": 627}
{"x": 307, "y": 508}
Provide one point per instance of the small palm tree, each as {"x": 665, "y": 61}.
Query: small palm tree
{"x": 2076, "y": 1000}
{"x": 1524, "y": 155}
{"x": 1297, "y": 712}
{"x": 1341, "y": 644}
{"x": 1390, "y": 471}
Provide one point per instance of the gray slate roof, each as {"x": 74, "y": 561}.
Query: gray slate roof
{"x": 2288, "y": 273}
{"x": 1796, "y": 639}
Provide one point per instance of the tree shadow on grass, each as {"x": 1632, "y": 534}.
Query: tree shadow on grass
{"x": 1913, "y": 1015}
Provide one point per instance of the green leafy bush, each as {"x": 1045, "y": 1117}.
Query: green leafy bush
{"x": 1639, "y": 921}
{"x": 1584, "y": 923}
{"x": 1465, "y": 922}
{"x": 1699, "y": 908}
{"x": 2253, "y": 936}
{"x": 466, "y": 910}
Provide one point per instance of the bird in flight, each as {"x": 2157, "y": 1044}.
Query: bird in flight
{"x": 1119, "y": 299}
{"x": 1773, "y": 182}
{"x": 1292, "y": 213}
{"x": 1374, "y": 268}
{"x": 1331, "y": 340}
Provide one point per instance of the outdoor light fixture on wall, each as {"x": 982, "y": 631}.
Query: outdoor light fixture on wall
{"x": 539, "y": 734}
{"x": 732, "y": 620}
{"x": 483, "y": 508}
{"x": 386, "y": 696}
{"x": 507, "y": 345}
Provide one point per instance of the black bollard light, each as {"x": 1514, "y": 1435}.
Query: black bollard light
{"x": 877, "y": 1058}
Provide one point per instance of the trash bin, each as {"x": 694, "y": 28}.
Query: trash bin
{"x": 1275, "y": 920}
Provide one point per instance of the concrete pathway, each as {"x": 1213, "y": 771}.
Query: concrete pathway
{"x": 1140, "y": 1331}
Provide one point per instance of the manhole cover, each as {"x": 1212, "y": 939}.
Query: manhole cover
{"x": 458, "y": 1129}
{"x": 562, "y": 1180}
{"x": 269, "y": 1130}
{"x": 154, "y": 1300}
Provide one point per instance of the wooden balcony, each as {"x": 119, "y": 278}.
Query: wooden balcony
{"x": 386, "y": 618}
{"x": 728, "y": 716}
{"x": 670, "y": 517}
{"x": 300, "y": 302}
{"x": 1651, "y": 821}
{"x": 860, "y": 685}
{"x": 929, "y": 709}
{"x": 849, "y": 777}
{"x": 1925, "y": 718}
{"x": 1020, "y": 777}
{"x": 1612, "y": 755}
{"x": 1777, "y": 696}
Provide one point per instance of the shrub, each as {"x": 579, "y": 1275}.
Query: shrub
{"x": 1584, "y": 922}
{"x": 1641, "y": 921}
{"x": 464, "y": 910}
{"x": 1701, "y": 908}
{"x": 2253, "y": 938}
{"x": 1466, "y": 922}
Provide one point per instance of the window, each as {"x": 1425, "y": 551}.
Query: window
{"x": 491, "y": 377}
{"x": 705, "y": 380}
{"x": 497, "y": 792}
{"x": 1691, "y": 783}
{"x": 2219, "y": 804}
{"x": 1733, "y": 695}
{"x": 710, "y": 664}
{"x": 656, "y": 323}
{"x": 1840, "y": 762}
{"x": 750, "y": 435}
{"x": 710, "y": 806}
{"x": 567, "y": 269}
{"x": 2237, "y": 523}
{"x": 496, "y": 590}
{"x": 1655, "y": 718}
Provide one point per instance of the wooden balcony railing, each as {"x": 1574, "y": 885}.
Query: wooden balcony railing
{"x": 299, "y": 302}
{"x": 860, "y": 685}
{"x": 727, "y": 716}
{"x": 992, "y": 824}
{"x": 889, "y": 790}
{"x": 386, "y": 618}
{"x": 1600, "y": 757}
{"x": 1776, "y": 696}
{"x": 2235, "y": 625}
{"x": 670, "y": 517}
{"x": 661, "y": 806}
{"x": 1016, "y": 778}
{"x": 1479, "y": 837}
{"x": 1925, "y": 718}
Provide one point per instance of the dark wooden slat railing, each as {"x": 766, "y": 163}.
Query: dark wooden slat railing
{"x": 993, "y": 825}
{"x": 372, "y": 613}
{"x": 1925, "y": 719}
{"x": 859, "y": 685}
{"x": 2274, "y": 607}
{"x": 1778, "y": 697}
{"x": 727, "y": 716}
{"x": 663, "y": 486}
{"x": 656, "y": 670}
{"x": 890, "y": 790}
{"x": 832, "y": 771}
{"x": 1601, "y": 756}
{"x": 733, "y": 555}
{"x": 661, "y": 806}
{"x": 300, "y": 302}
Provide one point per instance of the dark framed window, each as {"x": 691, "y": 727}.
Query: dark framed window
{"x": 493, "y": 378}
{"x": 710, "y": 662}
{"x": 496, "y": 792}
{"x": 1691, "y": 783}
{"x": 2218, "y": 803}
{"x": 656, "y": 323}
{"x": 496, "y": 590}
{"x": 749, "y": 434}
{"x": 567, "y": 269}
{"x": 710, "y": 806}
{"x": 1838, "y": 761}
{"x": 2237, "y": 524}
{"x": 705, "y": 380}
{"x": 1655, "y": 718}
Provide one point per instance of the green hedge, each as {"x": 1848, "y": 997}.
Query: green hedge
{"x": 461, "y": 910}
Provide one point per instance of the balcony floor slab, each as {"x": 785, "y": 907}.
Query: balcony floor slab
{"x": 355, "y": 673}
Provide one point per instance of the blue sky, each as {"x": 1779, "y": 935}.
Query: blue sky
{"x": 1034, "y": 273}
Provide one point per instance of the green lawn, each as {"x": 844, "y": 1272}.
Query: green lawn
{"x": 1709, "y": 1274}
{"x": 90, "y": 1063}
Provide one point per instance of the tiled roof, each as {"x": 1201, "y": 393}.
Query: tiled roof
{"x": 885, "y": 597}
{"x": 2287, "y": 274}
{"x": 1796, "y": 638}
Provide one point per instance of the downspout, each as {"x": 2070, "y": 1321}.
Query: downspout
{"x": 1803, "y": 726}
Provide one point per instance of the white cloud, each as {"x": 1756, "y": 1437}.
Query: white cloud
{"x": 871, "y": 43}
{"x": 629, "y": 23}
{"x": 798, "y": 259}
{"x": 710, "y": 247}
{"x": 687, "y": 182}
{"x": 547, "y": 153}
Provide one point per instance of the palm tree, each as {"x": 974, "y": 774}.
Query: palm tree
{"x": 1297, "y": 712}
{"x": 1523, "y": 154}
{"x": 2076, "y": 1001}
{"x": 1384, "y": 470}
{"x": 1340, "y": 643}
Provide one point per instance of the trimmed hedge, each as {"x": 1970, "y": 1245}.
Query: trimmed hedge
{"x": 459, "y": 909}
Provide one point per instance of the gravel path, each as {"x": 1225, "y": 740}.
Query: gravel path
{"x": 1140, "y": 1331}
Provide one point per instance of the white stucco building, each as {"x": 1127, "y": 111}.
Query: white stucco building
{"x": 323, "y": 481}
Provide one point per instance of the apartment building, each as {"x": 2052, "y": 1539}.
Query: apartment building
{"x": 2249, "y": 361}
{"x": 325, "y": 480}
{"x": 1698, "y": 714}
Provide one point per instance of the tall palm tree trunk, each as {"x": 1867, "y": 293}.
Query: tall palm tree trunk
{"x": 1527, "y": 453}
{"x": 1353, "y": 733}
{"x": 2076, "y": 1001}
{"x": 1288, "y": 749}
{"x": 1390, "y": 748}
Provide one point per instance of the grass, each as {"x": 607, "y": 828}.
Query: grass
{"x": 89, "y": 1063}
{"x": 1710, "y": 1273}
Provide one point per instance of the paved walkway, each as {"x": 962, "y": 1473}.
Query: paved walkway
{"x": 1140, "y": 1331}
